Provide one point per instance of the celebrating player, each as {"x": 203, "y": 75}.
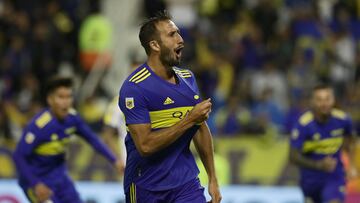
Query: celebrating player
{"x": 164, "y": 113}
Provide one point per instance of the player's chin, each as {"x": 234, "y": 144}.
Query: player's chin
{"x": 325, "y": 113}
{"x": 175, "y": 62}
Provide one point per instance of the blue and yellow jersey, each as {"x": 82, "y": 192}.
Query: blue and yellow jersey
{"x": 146, "y": 98}
{"x": 317, "y": 140}
{"x": 40, "y": 152}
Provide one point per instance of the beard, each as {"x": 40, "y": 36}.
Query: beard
{"x": 167, "y": 58}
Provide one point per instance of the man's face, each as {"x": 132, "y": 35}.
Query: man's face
{"x": 60, "y": 101}
{"x": 171, "y": 43}
{"x": 323, "y": 101}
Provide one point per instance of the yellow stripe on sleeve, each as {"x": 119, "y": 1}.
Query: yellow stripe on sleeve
{"x": 138, "y": 73}
{"x": 143, "y": 78}
{"x": 44, "y": 119}
{"x": 140, "y": 76}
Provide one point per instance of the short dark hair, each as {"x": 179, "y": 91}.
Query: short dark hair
{"x": 55, "y": 82}
{"x": 321, "y": 86}
{"x": 148, "y": 29}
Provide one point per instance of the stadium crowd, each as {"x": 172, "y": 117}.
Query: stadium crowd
{"x": 257, "y": 60}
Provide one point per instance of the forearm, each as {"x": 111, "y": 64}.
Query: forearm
{"x": 297, "y": 158}
{"x": 154, "y": 141}
{"x": 204, "y": 146}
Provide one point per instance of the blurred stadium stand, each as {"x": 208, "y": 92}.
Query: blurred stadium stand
{"x": 256, "y": 59}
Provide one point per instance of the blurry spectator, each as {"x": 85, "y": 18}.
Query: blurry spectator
{"x": 299, "y": 71}
{"x": 183, "y": 12}
{"x": 265, "y": 15}
{"x": 42, "y": 50}
{"x": 17, "y": 59}
{"x": 95, "y": 41}
{"x": 251, "y": 49}
{"x": 266, "y": 110}
{"x": 342, "y": 60}
{"x": 232, "y": 118}
{"x": 270, "y": 78}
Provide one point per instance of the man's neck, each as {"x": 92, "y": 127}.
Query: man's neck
{"x": 321, "y": 118}
{"x": 161, "y": 70}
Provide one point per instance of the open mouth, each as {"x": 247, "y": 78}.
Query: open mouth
{"x": 178, "y": 50}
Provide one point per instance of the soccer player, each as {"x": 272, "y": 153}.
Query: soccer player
{"x": 40, "y": 153}
{"x": 316, "y": 143}
{"x": 164, "y": 113}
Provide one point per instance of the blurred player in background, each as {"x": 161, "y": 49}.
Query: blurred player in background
{"x": 316, "y": 143}
{"x": 164, "y": 113}
{"x": 40, "y": 153}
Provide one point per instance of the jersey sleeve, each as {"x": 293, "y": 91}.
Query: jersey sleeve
{"x": 133, "y": 104}
{"x": 24, "y": 149}
{"x": 298, "y": 136}
{"x": 85, "y": 132}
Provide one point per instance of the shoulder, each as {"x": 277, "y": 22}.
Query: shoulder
{"x": 138, "y": 75}
{"x": 339, "y": 114}
{"x": 135, "y": 80}
{"x": 73, "y": 116}
{"x": 41, "y": 119}
{"x": 306, "y": 118}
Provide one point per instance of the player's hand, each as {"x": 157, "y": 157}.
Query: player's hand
{"x": 214, "y": 192}
{"x": 120, "y": 167}
{"x": 328, "y": 164}
{"x": 201, "y": 111}
{"x": 42, "y": 192}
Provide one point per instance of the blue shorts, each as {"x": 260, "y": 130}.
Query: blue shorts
{"x": 324, "y": 192}
{"x": 63, "y": 191}
{"x": 191, "y": 192}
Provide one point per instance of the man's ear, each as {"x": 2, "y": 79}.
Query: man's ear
{"x": 154, "y": 45}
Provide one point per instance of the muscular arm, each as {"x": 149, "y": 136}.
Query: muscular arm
{"x": 297, "y": 158}
{"x": 327, "y": 164}
{"x": 204, "y": 146}
{"x": 148, "y": 142}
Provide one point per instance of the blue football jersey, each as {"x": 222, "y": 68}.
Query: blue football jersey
{"x": 317, "y": 140}
{"x": 147, "y": 98}
{"x": 40, "y": 153}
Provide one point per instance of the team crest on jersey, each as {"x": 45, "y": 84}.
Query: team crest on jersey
{"x": 29, "y": 138}
{"x": 129, "y": 102}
